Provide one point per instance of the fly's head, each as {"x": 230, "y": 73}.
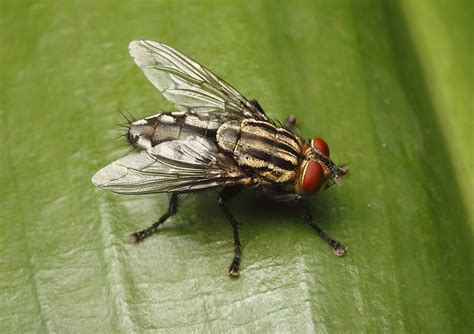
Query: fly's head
{"x": 317, "y": 169}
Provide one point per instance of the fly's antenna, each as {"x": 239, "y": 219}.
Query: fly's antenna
{"x": 336, "y": 171}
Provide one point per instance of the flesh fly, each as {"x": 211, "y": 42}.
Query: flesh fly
{"x": 218, "y": 139}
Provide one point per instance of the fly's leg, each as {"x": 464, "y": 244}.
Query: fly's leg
{"x": 224, "y": 195}
{"x": 290, "y": 122}
{"x": 172, "y": 208}
{"x": 337, "y": 247}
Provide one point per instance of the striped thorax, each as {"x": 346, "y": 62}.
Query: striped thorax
{"x": 273, "y": 153}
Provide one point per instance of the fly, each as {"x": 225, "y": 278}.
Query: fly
{"x": 216, "y": 139}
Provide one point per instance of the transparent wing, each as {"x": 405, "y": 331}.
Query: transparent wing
{"x": 189, "y": 85}
{"x": 173, "y": 166}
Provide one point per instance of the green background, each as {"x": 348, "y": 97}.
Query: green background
{"x": 387, "y": 84}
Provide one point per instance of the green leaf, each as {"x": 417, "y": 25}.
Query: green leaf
{"x": 389, "y": 86}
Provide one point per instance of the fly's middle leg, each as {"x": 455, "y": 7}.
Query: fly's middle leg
{"x": 224, "y": 195}
{"x": 172, "y": 208}
{"x": 337, "y": 247}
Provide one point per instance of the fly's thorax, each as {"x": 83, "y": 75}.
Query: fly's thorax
{"x": 272, "y": 153}
{"x": 153, "y": 130}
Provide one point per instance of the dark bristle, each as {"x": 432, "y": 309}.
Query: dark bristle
{"x": 120, "y": 136}
{"x": 122, "y": 125}
{"x": 130, "y": 117}
{"x": 124, "y": 116}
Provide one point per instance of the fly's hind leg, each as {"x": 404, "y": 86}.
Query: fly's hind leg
{"x": 290, "y": 122}
{"x": 338, "y": 248}
{"x": 224, "y": 195}
{"x": 172, "y": 208}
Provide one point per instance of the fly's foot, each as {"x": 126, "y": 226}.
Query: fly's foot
{"x": 339, "y": 249}
{"x": 234, "y": 270}
{"x": 135, "y": 237}
{"x": 138, "y": 236}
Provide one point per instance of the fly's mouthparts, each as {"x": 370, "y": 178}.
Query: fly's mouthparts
{"x": 342, "y": 170}
{"x": 339, "y": 172}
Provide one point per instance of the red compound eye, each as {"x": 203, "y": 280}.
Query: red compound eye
{"x": 320, "y": 145}
{"x": 313, "y": 177}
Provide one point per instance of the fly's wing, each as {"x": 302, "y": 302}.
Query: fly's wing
{"x": 189, "y": 85}
{"x": 173, "y": 166}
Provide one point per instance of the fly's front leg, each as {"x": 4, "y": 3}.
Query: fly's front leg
{"x": 290, "y": 122}
{"x": 172, "y": 208}
{"x": 337, "y": 247}
{"x": 224, "y": 195}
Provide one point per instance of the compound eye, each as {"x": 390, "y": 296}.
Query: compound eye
{"x": 321, "y": 145}
{"x": 313, "y": 177}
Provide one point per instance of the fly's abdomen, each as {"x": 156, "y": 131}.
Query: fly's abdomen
{"x": 151, "y": 131}
{"x": 273, "y": 153}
